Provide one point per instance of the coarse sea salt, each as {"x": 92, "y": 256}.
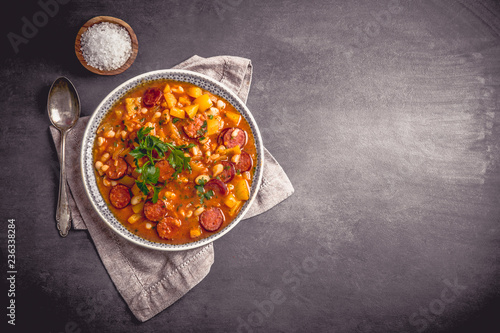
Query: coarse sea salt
{"x": 106, "y": 46}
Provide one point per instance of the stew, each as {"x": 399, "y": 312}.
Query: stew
{"x": 174, "y": 162}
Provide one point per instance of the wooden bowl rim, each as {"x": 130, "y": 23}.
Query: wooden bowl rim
{"x": 100, "y": 19}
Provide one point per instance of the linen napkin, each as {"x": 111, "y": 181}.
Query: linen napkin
{"x": 148, "y": 280}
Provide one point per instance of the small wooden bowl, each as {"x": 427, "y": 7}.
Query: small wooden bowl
{"x": 100, "y": 19}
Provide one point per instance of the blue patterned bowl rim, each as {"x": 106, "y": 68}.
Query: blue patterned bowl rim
{"x": 87, "y": 165}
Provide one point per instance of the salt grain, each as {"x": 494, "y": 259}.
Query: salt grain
{"x": 106, "y": 46}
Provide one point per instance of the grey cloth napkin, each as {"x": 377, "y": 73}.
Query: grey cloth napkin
{"x": 148, "y": 280}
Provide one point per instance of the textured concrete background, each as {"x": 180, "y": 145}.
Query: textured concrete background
{"x": 384, "y": 114}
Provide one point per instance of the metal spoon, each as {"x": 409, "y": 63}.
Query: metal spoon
{"x": 63, "y": 106}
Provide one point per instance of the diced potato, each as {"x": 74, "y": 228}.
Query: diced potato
{"x": 172, "y": 130}
{"x": 130, "y": 100}
{"x": 213, "y": 125}
{"x": 194, "y": 92}
{"x": 170, "y": 99}
{"x": 230, "y": 200}
{"x": 134, "y": 218}
{"x": 204, "y": 102}
{"x": 184, "y": 100}
{"x": 235, "y": 208}
{"x": 191, "y": 110}
{"x": 195, "y": 232}
{"x": 132, "y": 105}
{"x": 232, "y": 151}
{"x": 176, "y": 112}
{"x": 127, "y": 181}
{"x": 166, "y": 90}
{"x": 138, "y": 208}
{"x": 241, "y": 190}
{"x": 233, "y": 117}
{"x": 136, "y": 190}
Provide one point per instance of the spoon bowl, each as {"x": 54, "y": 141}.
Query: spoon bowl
{"x": 63, "y": 107}
{"x": 63, "y": 104}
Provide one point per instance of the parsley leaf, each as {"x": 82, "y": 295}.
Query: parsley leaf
{"x": 201, "y": 192}
{"x": 147, "y": 144}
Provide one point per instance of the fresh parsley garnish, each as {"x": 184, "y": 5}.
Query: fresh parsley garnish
{"x": 200, "y": 189}
{"x": 147, "y": 144}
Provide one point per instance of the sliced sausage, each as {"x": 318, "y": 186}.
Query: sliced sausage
{"x": 117, "y": 168}
{"x": 228, "y": 171}
{"x": 165, "y": 226}
{"x": 217, "y": 186}
{"x": 151, "y": 97}
{"x": 119, "y": 196}
{"x": 155, "y": 211}
{"x": 235, "y": 137}
{"x": 245, "y": 162}
{"x": 220, "y": 138}
{"x": 196, "y": 127}
{"x": 166, "y": 170}
{"x": 211, "y": 219}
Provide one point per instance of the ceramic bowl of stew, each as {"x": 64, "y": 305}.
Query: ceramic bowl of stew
{"x": 172, "y": 160}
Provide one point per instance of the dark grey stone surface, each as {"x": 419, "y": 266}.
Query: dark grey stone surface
{"x": 385, "y": 116}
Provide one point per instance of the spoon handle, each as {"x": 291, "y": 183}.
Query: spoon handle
{"x": 63, "y": 213}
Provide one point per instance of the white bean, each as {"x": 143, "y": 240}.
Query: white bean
{"x": 106, "y": 182}
{"x": 202, "y": 179}
{"x": 135, "y": 200}
{"x": 105, "y": 157}
{"x": 221, "y": 104}
{"x": 110, "y": 134}
{"x": 217, "y": 169}
{"x": 198, "y": 211}
{"x": 236, "y": 158}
